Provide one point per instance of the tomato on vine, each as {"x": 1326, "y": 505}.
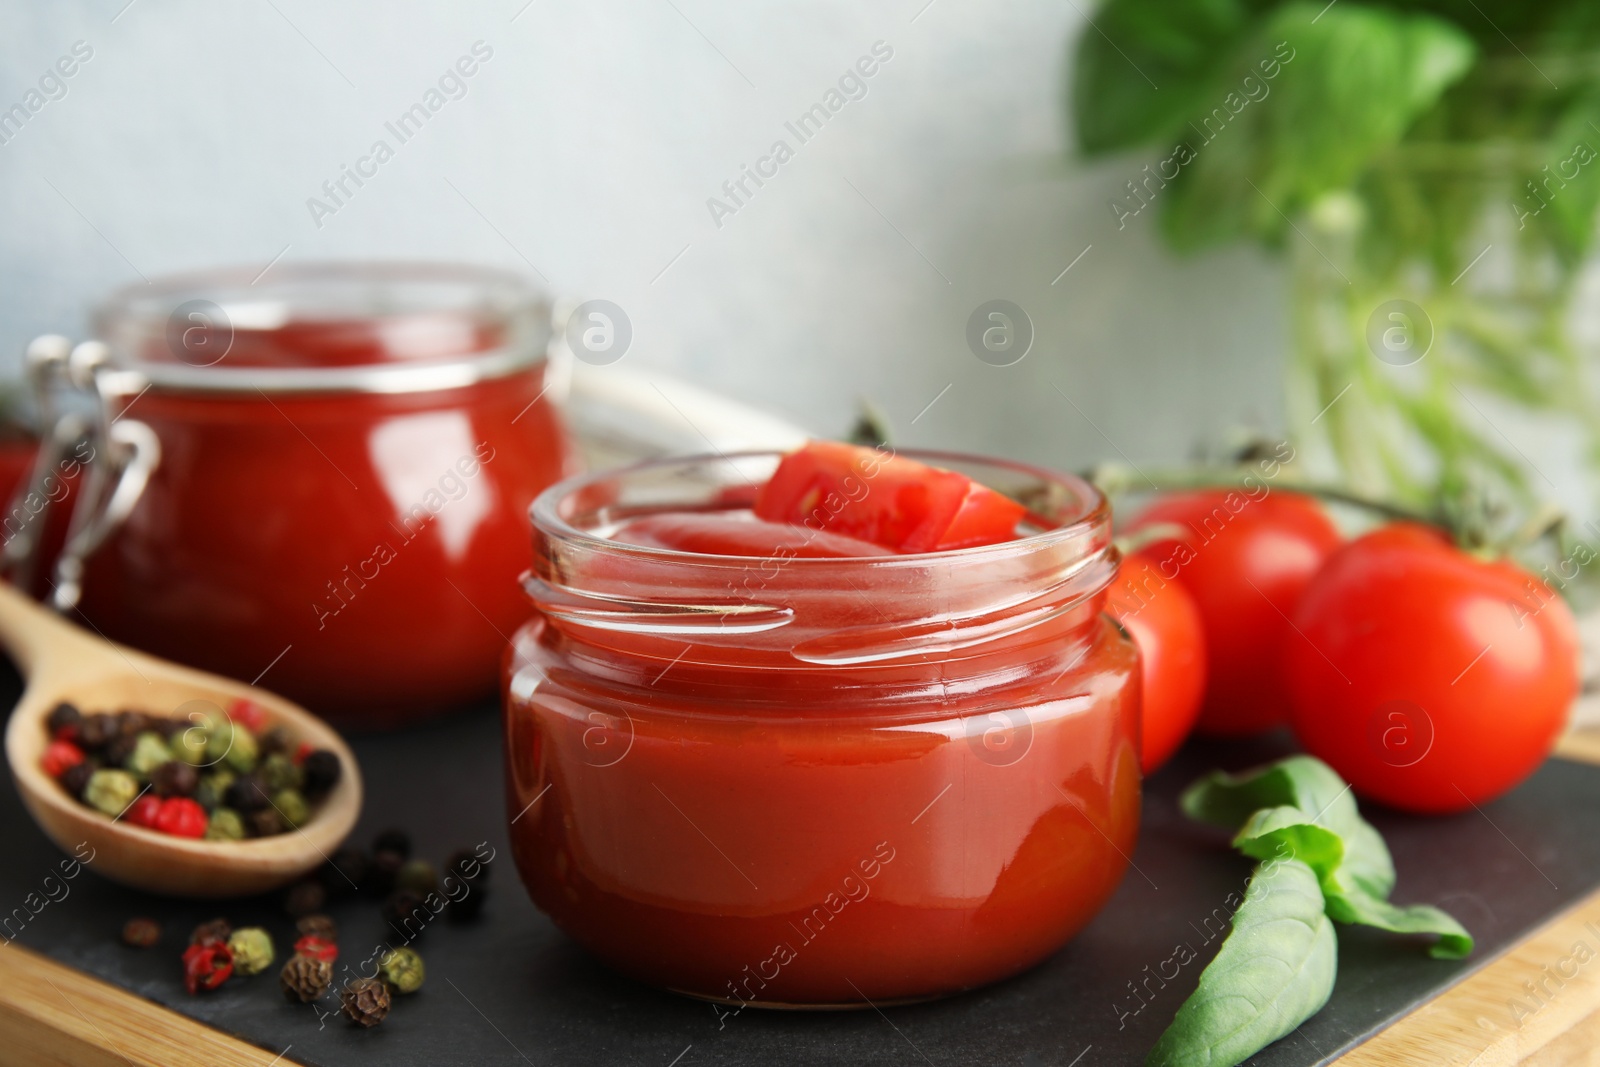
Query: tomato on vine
{"x": 1430, "y": 679}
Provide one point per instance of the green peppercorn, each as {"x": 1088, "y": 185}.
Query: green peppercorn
{"x": 252, "y": 950}
{"x": 213, "y": 787}
{"x": 225, "y": 825}
{"x": 111, "y": 791}
{"x": 149, "y": 752}
{"x": 417, "y": 877}
{"x": 279, "y": 772}
{"x": 402, "y": 969}
{"x": 292, "y": 806}
{"x": 189, "y": 745}
{"x": 241, "y": 752}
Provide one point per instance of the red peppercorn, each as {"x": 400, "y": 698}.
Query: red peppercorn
{"x": 145, "y": 811}
{"x": 206, "y": 966}
{"x": 249, "y": 714}
{"x": 317, "y": 948}
{"x": 59, "y": 755}
{"x": 182, "y": 817}
{"x": 302, "y": 750}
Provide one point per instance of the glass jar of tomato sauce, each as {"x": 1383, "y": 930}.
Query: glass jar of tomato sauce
{"x": 324, "y": 478}
{"x": 819, "y": 781}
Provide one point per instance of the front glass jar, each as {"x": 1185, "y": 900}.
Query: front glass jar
{"x": 819, "y": 782}
{"x": 330, "y": 473}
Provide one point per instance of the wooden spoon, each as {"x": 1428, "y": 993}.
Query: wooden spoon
{"x": 64, "y": 663}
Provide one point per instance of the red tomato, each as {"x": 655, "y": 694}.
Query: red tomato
{"x": 726, "y": 535}
{"x": 1431, "y": 680}
{"x": 1166, "y": 627}
{"x": 886, "y": 499}
{"x": 1245, "y": 560}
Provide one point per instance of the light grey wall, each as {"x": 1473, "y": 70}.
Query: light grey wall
{"x": 588, "y": 145}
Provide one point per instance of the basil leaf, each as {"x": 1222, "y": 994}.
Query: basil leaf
{"x": 1305, "y": 811}
{"x": 1140, "y": 64}
{"x": 1273, "y": 972}
{"x": 1353, "y": 79}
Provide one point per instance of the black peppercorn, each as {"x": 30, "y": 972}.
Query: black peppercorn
{"x": 466, "y": 864}
{"x": 95, "y": 730}
{"x": 305, "y": 979}
{"x": 213, "y": 931}
{"x": 346, "y": 872}
{"x": 365, "y": 1001}
{"x": 76, "y": 778}
{"x": 265, "y": 823}
{"x": 174, "y": 778}
{"x": 406, "y": 914}
{"x": 133, "y": 722}
{"x": 274, "y": 740}
{"x": 321, "y": 926}
{"x": 247, "y": 795}
{"x": 393, "y": 840}
{"x": 63, "y": 716}
{"x": 382, "y": 872}
{"x": 465, "y": 907}
{"x": 321, "y": 773}
{"x": 119, "y": 748}
{"x": 305, "y": 898}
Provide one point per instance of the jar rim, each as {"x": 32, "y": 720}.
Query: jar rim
{"x": 1094, "y": 511}
{"x": 134, "y": 315}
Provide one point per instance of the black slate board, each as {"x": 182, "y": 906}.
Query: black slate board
{"x": 510, "y": 989}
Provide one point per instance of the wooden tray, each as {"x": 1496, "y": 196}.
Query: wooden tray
{"x": 1523, "y": 874}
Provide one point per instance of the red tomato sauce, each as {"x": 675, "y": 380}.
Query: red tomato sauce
{"x": 877, "y": 778}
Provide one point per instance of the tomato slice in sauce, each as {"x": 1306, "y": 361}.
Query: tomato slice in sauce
{"x": 888, "y": 500}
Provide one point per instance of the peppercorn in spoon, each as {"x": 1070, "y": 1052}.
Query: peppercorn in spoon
{"x": 65, "y": 664}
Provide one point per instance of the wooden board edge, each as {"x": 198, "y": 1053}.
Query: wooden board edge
{"x": 52, "y": 1015}
{"x": 1582, "y": 745}
{"x": 1537, "y": 991}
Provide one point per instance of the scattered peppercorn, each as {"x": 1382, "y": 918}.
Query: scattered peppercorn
{"x": 317, "y": 948}
{"x": 252, "y": 950}
{"x": 305, "y": 898}
{"x": 406, "y": 913}
{"x": 63, "y": 721}
{"x": 321, "y": 926}
{"x": 393, "y": 840}
{"x": 321, "y": 771}
{"x": 417, "y": 877}
{"x": 206, "y": 965}
{"x": 304, "y": 979}
{"x": 345, "y": 872}
{"x": 110, "y": 791}
{"x": 365, "y": 1001}
{"x": 402, "y": 970}
{"x": 140, "y": 933}
{"x": 75, "y": 779}
{"x": 174, "y": 778}
{"x": 211, "y": 930}
{"x": 381, "y": 874}
{"x": 225, "y": 825}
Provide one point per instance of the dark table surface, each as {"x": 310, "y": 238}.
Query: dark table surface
{"x": 510, "y": 989}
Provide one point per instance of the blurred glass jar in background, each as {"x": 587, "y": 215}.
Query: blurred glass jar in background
{"x": 319, "y": 478}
